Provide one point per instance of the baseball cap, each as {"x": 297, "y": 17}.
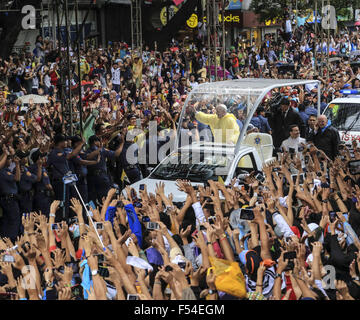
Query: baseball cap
{"x": 130, "y": 116}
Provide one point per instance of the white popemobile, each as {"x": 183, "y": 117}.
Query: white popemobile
{"x": 202, "y": 161}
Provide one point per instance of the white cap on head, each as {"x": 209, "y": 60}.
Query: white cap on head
{"x": 222, "y": 106}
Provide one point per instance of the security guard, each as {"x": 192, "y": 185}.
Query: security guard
{"x": 27, "y": 180}
{"x": 78, "y": 166}
{"x": 99, "y": 181}
{"x": 130, "y": 165}
{"x": 58, "y": 162}
{"x": 43, "y": 191}
{"x": 11, "y": 220}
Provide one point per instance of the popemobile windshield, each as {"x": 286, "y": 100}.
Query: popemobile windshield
{"x": 220, "y": 149}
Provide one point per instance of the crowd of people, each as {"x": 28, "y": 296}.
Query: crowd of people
{"x": 298, "y": 239}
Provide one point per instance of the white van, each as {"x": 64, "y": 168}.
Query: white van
{"x": 344, "y": 114}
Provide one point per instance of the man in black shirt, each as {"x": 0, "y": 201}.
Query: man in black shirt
{"x": 326, "y": 137}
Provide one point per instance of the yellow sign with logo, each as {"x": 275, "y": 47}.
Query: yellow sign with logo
{"x": 192, "y": 22}
{"x": 271, "y": 22}
{"x": 172, "y": 11}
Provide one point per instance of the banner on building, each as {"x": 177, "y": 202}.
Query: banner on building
{"x": 177, "y": 2}
{"x": 234, "y": 5}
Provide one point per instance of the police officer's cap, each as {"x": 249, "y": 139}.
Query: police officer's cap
{"x": 35, "y": 156}
{"x": 59, "y": 138}
{"x": 93, "y": 139}
{"x": 130, "y": 116}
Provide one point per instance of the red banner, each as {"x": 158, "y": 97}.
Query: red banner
{"x": 177, "y": 2}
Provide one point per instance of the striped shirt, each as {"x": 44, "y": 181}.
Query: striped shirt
{"x": 268, "y": 282}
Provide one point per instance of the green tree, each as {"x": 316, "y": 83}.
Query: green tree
{"x": 270, "y": 9}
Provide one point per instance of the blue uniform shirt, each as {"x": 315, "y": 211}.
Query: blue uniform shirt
{"x": 44, "y": 181}
{"x": 104, "y": 154}
{"x": 27, "y": 179}
{"x": 311, "y": 111}
{"x": 133, "y": 154}
{"x": 76, "y": 167}
{"x": 304, "y": 117}
{"x": 265, "y": 127}
{"x": 57, "y": 159}
{"x": 255, "y": 121}
{"x": 7, "y": 182}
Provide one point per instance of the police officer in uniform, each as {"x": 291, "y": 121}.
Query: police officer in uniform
{"x": 43, "y": 191}
{"x": 27, "y": 180}
{"x": 58, "y": 162}
{"x": 11, "y": 220}
{"x": 78, "y": 166}
{"x": 99, "y": 181}
{"x": 129, "y": 161}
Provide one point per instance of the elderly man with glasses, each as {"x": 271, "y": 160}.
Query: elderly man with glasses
{"x": 326, "y": 137}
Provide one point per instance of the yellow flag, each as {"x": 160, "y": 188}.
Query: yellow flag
{"x": 220, "y": 179}
{"x": 123, "y": 175}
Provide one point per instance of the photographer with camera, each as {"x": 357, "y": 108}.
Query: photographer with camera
{"x": 79, "y": 165}
{"x": 58, "y": 161}
{"x": 43, "y": 191}
{"x": 11, "y": 219}
{"x": 99, "y": 181}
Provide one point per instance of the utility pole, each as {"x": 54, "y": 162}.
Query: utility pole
{"x": 53, "y": 24}
{"x": 223, "y": 36}
{"x": 214, "y": 29}
{"x": 316, "y": 24}
{"x": 69, "y": 104}
{"x": 328, "y": 47}
{"x": 136, "y": 25}
{"x": 62, "y": 93}
{"x": 78, "y": 66}
{"x": 322, "y": 38}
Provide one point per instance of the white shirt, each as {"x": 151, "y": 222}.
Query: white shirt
{"x": 115, "y": 76}
{"x": 288, "y": 26}
{"x": 193, "y": 84}
{"x": 47, "y": 81}
{"x": 292, "y": 143}
{"x": 310, "y": 86}
{"x": 268, "y": 282}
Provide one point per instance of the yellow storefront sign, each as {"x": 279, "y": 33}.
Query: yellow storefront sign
{"x": 192, "y": 22}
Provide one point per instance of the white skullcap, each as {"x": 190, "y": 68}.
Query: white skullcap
{"x": 222, "y": 106}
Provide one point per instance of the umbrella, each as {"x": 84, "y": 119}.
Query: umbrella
{"x": 261, "y": 62}
{"x": 35, "y": 98}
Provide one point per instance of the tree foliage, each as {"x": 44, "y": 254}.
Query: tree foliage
{"x": 270, "y": 9}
